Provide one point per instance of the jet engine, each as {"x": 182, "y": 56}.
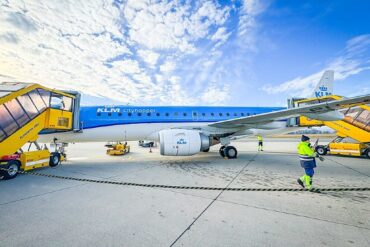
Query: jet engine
{"x": 326, "y": 116}
{"x": 181, "y": 142}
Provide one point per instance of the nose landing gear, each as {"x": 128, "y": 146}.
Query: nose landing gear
{"x": 229, "y": 152}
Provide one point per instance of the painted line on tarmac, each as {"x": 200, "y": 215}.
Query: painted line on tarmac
{"x": 215, "y": 199}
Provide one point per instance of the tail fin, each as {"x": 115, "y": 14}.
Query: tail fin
{"x": 325, "y": 85}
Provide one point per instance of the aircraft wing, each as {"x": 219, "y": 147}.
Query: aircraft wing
{"x": 310, "y": 110}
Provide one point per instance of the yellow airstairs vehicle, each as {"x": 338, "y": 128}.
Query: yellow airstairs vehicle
{"x": 26, "y": 109}
{"x": 355, "y": 126}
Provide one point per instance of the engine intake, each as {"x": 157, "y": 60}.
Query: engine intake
{"x": 181, "y": 142}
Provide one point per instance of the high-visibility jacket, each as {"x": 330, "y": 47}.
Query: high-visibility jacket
{"x": 306, "y": 155}
{"x": 259, "y": 138}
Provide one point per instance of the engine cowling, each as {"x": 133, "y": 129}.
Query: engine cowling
{"x": 181, "y": 142}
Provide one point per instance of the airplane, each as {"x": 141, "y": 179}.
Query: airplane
{"x": 188, "y": 130}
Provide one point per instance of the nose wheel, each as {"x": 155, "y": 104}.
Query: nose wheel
{"x": 229, "y": 152}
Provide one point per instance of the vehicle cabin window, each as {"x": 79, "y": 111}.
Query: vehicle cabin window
{"x": 167, "y": 114}
{"x": 45, "y": 95}
{"x": 28, "y": 105}
{"x": 194, "y": 113}
{"x": 203, "y": 114}
{"x": 2, "y": 135}
{"x": 129, "y": 114}
{"x": 98, "y": 114}
{"x": 158, "y": 114}
{"x": 139, "y": 114}
{"x": 37, "y": 100}
{"x": 7, "y": 122}
{"x": 61, "y": 102}
{"x": 17, "y": 112}
{"x": 248, "y": 114}
{"x": 242, "y": 114}
{"x": 176, "y": 114}
{"x": 235, "y": 114}
{"x": 220, "y": 114}
{"x": 120, "y": 114}
{"x": 212, "y": 114}
{"x": 228, "y": 114}
{"x": 109, "y": 114}
{"x": 148, "y": 114}
{"x": 184, "y": 114}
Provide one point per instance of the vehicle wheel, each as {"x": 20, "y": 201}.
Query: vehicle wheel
{"x": 54, "y": 159}
{"x": 367, "y": 153}
{"x": 206, "y": 150}
{"x": 13, "y": 169}
{"x": 321, "y": 150}
{"x": 231, "y": 152}
{"x": 221, "y": 151}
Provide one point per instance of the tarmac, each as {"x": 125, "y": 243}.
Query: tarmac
{"x": 41, "y": 211}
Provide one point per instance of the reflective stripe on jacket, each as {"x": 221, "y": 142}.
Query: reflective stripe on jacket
{"x": 306, "y": 155}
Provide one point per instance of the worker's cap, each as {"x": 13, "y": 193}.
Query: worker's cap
{"x": 304, "y": 138}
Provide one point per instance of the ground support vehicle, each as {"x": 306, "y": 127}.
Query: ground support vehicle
{"x": 27, "y": 109}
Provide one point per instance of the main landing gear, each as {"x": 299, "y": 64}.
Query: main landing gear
{"x": 229, "y": 152}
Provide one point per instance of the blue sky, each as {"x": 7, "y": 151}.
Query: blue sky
{"x": 243, "y": 53}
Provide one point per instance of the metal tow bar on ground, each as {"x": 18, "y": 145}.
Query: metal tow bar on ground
{"x": 189, "y": 187}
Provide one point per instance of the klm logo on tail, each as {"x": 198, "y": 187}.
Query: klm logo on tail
{"x": 325, "y": 86}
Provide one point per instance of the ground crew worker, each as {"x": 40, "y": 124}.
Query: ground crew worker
{"x": 260, "y": 143}
{"x": 308, "y": 162}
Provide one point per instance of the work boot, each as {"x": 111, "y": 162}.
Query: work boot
{"x": 300, "y": 182}
{"x": 308, "y": 181}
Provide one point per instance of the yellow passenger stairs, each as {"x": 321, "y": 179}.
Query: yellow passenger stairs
{"x": 355, "y": 125}
{"x": 25, "y": 110}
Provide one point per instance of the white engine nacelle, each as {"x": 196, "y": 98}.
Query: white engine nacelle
{"x": 181, "y": 142}
{"x": 327, "y": 116}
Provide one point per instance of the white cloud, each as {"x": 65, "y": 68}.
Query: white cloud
{"x": 130, "y": 52}
{"x": 216, "y": 93}
{"x": 353, "y": 60}
{"x": 149, "y": 57}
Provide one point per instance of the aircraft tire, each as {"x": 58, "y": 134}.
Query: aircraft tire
{"x": 221, "y": 151}
{"x": 231, "y": 152}
{"x": 206, "y": 150}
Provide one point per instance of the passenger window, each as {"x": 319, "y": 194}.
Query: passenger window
{"x": 37, "y": 100}
{"x": 228, "y": 114}
{"x": 17, "y": 112}
{"x": 194, "y": 113}
{"x": 129, "y": 114}
{"x": 148, "y": 114}
{"x": 158, "y": 114}
{"x": 139, "y": 114}
{"x": 220, "y": 114}
{"x": 248, "y": 114}
{"x": 242, "y": 114}
{"x": 28, "y": 106}
{"x": 235, "y": 114}
{"x": 167, "y": 114}
{"x": 109, "y": 114}
{"x": 120, "y": 114}
{"x": 212, "y": 114}
{"x": 45, "y": 95}
{"x": 176, "y": 114}
{"x": 98, "y": 114}
{"x": 184, "y": 114}
{"x": 203, "y": 114}
{"x": 7, "y": 123}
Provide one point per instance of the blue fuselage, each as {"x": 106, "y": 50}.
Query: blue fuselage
{"x": 98, "y": 116}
